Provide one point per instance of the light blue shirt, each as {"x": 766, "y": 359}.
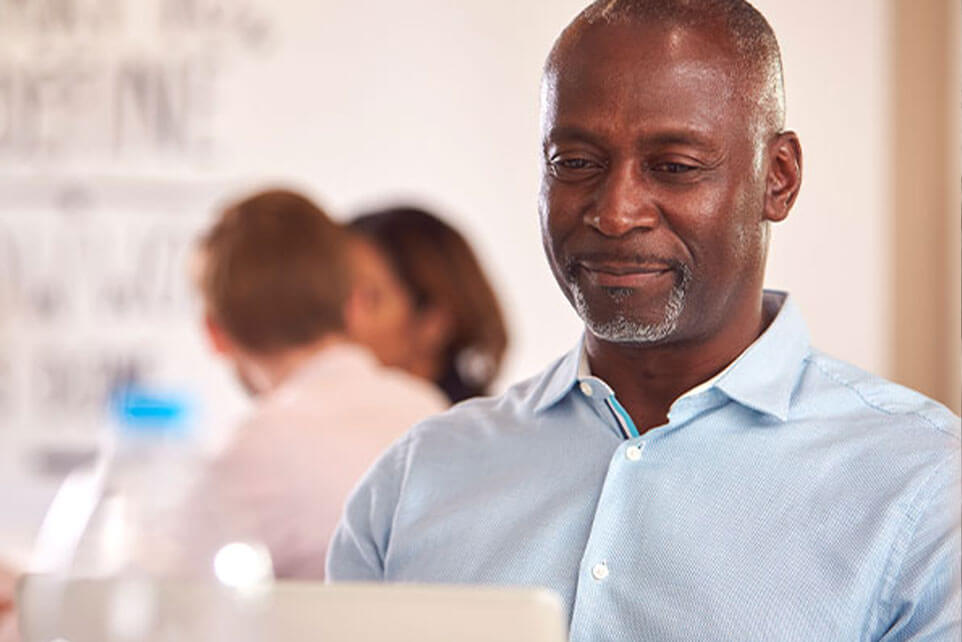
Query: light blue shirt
{"x": 794, "y": 498}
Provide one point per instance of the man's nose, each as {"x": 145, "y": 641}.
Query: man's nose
{"x": 624, "y": 202}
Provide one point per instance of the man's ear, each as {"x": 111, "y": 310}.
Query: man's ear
{"x": 218, "y": 337}
{"x": 784, "y": 176}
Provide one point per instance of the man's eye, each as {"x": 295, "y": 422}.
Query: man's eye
{"x": 569, "y": 168}
{"x": 674, "y": 168}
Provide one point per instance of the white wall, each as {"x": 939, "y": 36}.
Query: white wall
{"x": 833, "y": 251}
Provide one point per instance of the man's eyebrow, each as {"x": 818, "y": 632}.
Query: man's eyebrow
{"x": 571, "y": 133}
{"x": 665, "y": 138}
{"x": 687, "y": 137}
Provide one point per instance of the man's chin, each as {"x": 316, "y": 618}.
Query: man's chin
{"x": 616, "y": 320}
{"x": 631, "y": 331}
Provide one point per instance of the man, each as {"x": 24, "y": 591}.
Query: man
{"x": 281, "y": 294}
{"x": 694, "y": 469}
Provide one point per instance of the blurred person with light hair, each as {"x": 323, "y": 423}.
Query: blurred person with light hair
{"x": 437, "y": 315}
{"x": 280, "y": 296}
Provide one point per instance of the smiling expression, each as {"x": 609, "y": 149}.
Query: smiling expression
{"x": 652, "y": 200}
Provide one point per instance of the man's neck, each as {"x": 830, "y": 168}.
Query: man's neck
{"x": 647, "y": 379}
{"x": 277, "y": 367}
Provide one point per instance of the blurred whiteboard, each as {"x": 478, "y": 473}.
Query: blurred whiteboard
{"x": 119, "y": 84}
{"x": 107, "y": 173}
{"x": 94, "y": 289}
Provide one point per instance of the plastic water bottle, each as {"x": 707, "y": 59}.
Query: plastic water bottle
{"x": 116, "y": 560}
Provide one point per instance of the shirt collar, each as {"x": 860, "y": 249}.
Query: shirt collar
{"x": 763, "y": 377}
{"x": 584, "y": 372}
{"x": 559, "y": 379}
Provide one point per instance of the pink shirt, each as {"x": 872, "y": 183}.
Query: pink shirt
{"x": 284, "y": 478}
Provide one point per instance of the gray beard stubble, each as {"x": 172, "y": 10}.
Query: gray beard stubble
{"x": 621, "y": 329}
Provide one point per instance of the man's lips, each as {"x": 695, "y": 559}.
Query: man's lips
{"x": 626, "y": 274}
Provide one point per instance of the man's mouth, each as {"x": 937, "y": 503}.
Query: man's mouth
{"x": 626, "y": 274}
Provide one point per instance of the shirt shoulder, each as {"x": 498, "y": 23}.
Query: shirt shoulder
{"x": 843, "y": 386}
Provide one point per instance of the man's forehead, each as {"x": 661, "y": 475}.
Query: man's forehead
{"x": 617, "y": 52}
{"x": 629, "y": 52}
{"x": 654, "y": 71}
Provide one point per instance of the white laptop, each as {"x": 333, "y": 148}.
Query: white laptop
{"x": 128, "y": 611}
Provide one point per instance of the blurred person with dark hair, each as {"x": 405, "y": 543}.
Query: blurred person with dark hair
{"x": 437, "y": 316}
{"x": 280, "y": 295}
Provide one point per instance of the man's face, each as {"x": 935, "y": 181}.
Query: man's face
{"x": 653, "y": 185}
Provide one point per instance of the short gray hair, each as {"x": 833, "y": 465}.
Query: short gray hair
{"x": 756, "y": 50}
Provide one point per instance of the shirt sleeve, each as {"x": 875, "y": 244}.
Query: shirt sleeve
{"x": 925, "y": 591}
{"x": 359, "y": 546}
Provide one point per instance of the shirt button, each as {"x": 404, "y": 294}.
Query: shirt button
{"x": 599, "y": 571}
{"x": 633, "y": 453}
{"x": 586, "y": 388}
